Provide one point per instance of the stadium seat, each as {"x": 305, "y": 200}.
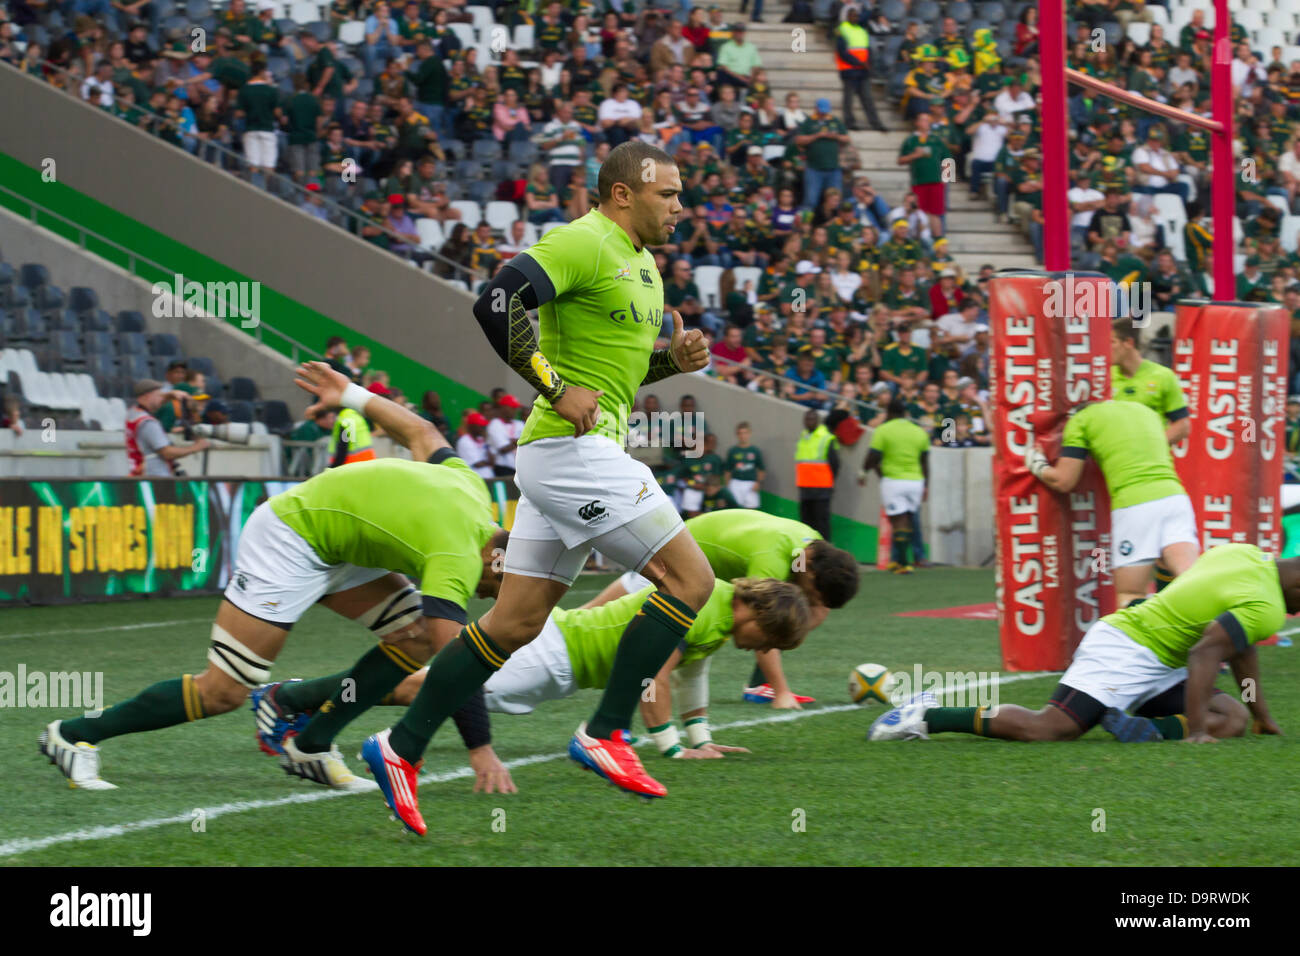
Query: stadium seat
{"x": 482, "y": 191}
{"x": 353, "y": 33}
{"x": 1139, "y": 32}
{"x": 482, "y": 18}
{"x": 501, "y": 214}
{"x": 549, "y": 226}
{"x": 303, "y": 13}
{"x": 486, "y": 149}
{"x": 276, "y": 417}
{"x": 33, "y": 275}
{"x": 470, "y": 212}
{"x": 96, "y": 320}
{"x": 707, "y": 280}
{"x": 523, "y": 151}
{"x": 29, "y": 326}
{"x": 68, "y": 349}
{"x": 98, "y": 343}
{"x": 164, "y": 344}
{"x": 48, "y": 298}
{"x": 64, "y": 321}
{"x": 894, "y": 11}
{"x": 468, "y": 170}
{"x": 243, "y": 389}
{"x": 1250, "y": 19}
{"x": 82, "y": 298}
{"x": 1290, "y": 225}
{"x": 743, "y": 274}
{"x": 134, "y": 366}
{"x": 992, "y": 12}
{"x": 1291, "y": 53}
{"x": 241, "y": 411}
{"x": 524, "y": 37}
{"x": 1280, "y": 202}
{"x": 1161, "y": 16}
{"x": 530, "y": 234}
{"x": 430, "y": 233}
{"x": 773, "y": 151}
{"x": 129, "y": 321}
{"x": 132, "y": 343}
{"x": 202, "y": 364}
{"x": 322, "y": 31}
{"x": 1270, "y": 37}
{"x": 465, "y": 33}
{"x": 961, "y": 11}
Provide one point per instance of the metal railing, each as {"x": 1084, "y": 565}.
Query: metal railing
{"x": 287, "y": 185}
{"x": 35, "y": 210}
{"x": 780, "y": 381}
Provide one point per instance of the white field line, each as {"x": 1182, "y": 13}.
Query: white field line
{"x": 29, "y": 844}
{"x": 188, "y": 620}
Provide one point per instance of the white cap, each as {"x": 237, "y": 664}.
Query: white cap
{"x": 806, "y": 267}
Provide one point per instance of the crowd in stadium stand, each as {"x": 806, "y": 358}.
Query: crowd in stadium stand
{"x": 829, "y": 293}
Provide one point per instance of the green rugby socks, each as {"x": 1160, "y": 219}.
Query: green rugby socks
{"x": 164, "y": 704}
{"x": 648, "y": 641}
{"x": 381, "y": 669}
{"x": 458, "y": 670}
{"x": 957, "y": 720}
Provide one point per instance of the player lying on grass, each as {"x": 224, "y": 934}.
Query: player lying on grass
{"x": 576, "y": 649}
{"x": 754, "y": 544}
{"x": 1158, "y": 658}
{"x": 344, "y": 538}
{"x": 1151, "y": 516}
{"x": 600, "y": 303}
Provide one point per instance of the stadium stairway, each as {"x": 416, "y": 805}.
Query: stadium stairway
{"x": 974, "y": 239}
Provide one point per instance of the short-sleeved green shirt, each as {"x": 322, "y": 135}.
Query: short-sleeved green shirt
{"x": 259, "y": 101}
{"x": 430, "y": 522}
{"x": 901, "y": 444}
{"x": 744, "y": 464}
{"x": 927, "y": 169}
{"x": 605, "y": 311}
{"x": 1131, "y": 448}
{"x": 750, "y": 544}
{"x": 1154, "y": 385}
{"x": 592, "y": 635}
{"x": 895, "y": 361}
{"x": 1235, "y": 584}
{"x": 822, "y": 154}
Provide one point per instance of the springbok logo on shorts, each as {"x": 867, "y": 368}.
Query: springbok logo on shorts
{"x": 591, "y": 511}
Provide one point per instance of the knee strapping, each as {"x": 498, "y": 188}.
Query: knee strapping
{"x": 237, "y": 661}
{"x": 395, "y": 612}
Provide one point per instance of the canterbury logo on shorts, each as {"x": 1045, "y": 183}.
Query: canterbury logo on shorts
{"x": 591, "y": 511}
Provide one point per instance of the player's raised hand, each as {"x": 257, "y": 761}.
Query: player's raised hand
{"x": 689, "y": 350}
{"x": 490, "y": 774}
{"x": 323, "y": 382}
{"x": 579, "y": 406}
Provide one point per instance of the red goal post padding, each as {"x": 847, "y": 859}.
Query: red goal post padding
{"x": 1050, "y": 354}
{"x": 1231, "y": 359}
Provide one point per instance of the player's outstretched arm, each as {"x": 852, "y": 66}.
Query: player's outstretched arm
{"x": 333, "y": 389}
{"x": 1062, "y": 476}
{"x": 692, "y": 689}
{"x": 1203, "y": 660}
{"x": 769, "y": 662}
{"x": 657, "y": 714}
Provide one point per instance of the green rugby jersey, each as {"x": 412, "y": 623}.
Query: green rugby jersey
{"x": 1128, "y": 441}
{"x": 745, "y": 463}
{"x": 1238, "y": 580}
{"x": 591, "y": 635}
{"x": 901, "y": 444}
{"x": 600, "y": 327}
{"x": 750, "y": 544}
{"x": 430, "y": 522}
{"x": 1154, "y": 385}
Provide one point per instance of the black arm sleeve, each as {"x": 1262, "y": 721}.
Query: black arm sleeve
{"x": 833, "y": 459}
{"x": 502, "y": 313}
{"x": 1228, "y": 621}
{"x": 340, "y": 453}
{"x": 661, "y": 366}
{"x": 473, "y": 723}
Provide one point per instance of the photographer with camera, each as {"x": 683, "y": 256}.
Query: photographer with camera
{"x": 148, "y": 447}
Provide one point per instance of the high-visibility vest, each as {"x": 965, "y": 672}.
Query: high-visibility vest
{"x": 812, "y": 466}
{"x": 351, "y": 428}
{"x": 857, "y": 40}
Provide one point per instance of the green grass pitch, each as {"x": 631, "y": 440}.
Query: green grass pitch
{"x": 812, "y": 792}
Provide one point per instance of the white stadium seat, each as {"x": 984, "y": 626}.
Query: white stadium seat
{"x": 352, "y": 33}
{"x": 1290, "y": 226}
{"x": 430, "y": 233}
{"x": 707, "y": 280}
{"x": 1161, "y": 16}
{"x": 1139, "y": 32}
{"x": 549, "y": 226}
{"x": 530, "y": 234}
{"x": 482, "y": 17}
{"x": 1280, "y": 202}
{"x": 743, "y": 274}
{"x": 524, "y": 34}
{"x": 471, "y": 213}
{"x": 501, "y": 214}
{"x": 465, "y": 33}
{"x": 1250, "y": 19}
{"x": 1270, "y": 37}
{"x": 302, "y": 13}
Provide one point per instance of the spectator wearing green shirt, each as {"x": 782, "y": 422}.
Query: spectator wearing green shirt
{"x": 431, "y": 83}
{"x": 259, "y": 103}
{"x": 716, "y": 497}
{"x": 1027, "y": 186}
{"x": 901, "y": 356}
{"x": 744, "y": 469}
{"x": 304, "y": 115}
{"x": 326, "y": 76}
{"x": 819, "y": 138}
{"x": 694, "y": 472}
{"x": 924, "y": 155}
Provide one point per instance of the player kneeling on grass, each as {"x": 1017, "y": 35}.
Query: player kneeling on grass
{"x": 741, "y": 543}
{"x": 1158, "y": 658}
{"x": 576, "y": 650}
{"x": 336, "y": 539}
{"x": 1151, "y": 516}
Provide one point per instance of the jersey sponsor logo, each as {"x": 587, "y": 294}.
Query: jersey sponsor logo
{"x": 653, "y": 317}
{"x": 591, "y": 511}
